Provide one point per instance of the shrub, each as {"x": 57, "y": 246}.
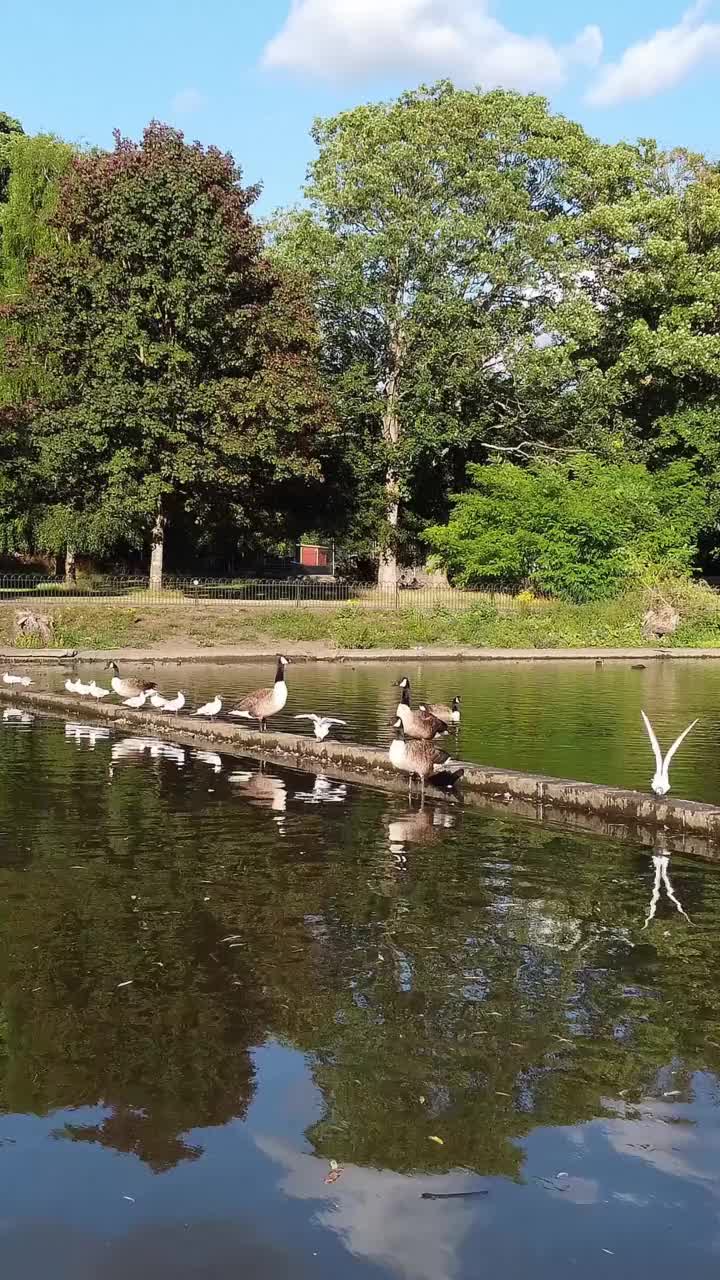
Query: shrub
{"x": 578, "y": 529}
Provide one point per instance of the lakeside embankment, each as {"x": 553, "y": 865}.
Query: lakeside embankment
{"x": 676, "y": 824}
{"x": 526, "y": 629}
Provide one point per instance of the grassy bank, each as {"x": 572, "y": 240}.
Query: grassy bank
{"x": 618, "y": 622}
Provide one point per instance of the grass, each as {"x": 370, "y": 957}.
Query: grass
{"x": 615, "y": 623}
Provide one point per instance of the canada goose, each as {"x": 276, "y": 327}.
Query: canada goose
{"x": 321, "y": 724}
{"x": 638, "y": 666}
{"x": 450, "y": 714}
{"x": 417, "y": 724}
{"x": 97, "y": 691}
{"x": 262, "y": 703}
{"x": 127, "y": 688}
{"x": 419, "y": 759}
{"x": 10, "y": 679}
{"x": 138, "y": 700}
{"x": 599, "y": 662}
{"x": 210, "y": 709}
{"x": 661, "y": 778}
{"x": 174, "y": 704}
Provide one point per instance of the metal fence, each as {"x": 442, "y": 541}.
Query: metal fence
{"x": 291, "y": 592}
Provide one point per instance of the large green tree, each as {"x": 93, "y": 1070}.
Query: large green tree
{"x": 185, "y": 380}
{"x": 434, "y": 236}
{"x": 34, "y": 165}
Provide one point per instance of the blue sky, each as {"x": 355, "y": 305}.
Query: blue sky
{"x": 252, "y": 76}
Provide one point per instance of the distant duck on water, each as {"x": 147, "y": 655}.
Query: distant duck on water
{"x": 417, "y": 724}
{"x": 263, "y": 703}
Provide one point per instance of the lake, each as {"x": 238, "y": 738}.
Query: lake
{"x": 568, "y": 719}
{"x": 255, "y": 1023}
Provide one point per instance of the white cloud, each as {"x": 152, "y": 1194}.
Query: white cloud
{"x": 188, "y": 101}
{"x": 337, "y": 39}
{"x": 660, "y": 62}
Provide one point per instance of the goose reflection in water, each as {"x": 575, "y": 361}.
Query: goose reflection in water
{"x": 90, "y": 733}
{"x": 265, "y": 790}
{"x": 661, "y": 862}
{"x": 421, "y": 827}
{"x": 324, "y": 791}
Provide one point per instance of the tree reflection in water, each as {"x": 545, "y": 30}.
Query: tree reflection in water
{"x": 491, "y": 983}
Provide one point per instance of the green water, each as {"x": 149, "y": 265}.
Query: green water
{"x": 567, "y": 719}
{"x": 215, "y": 980}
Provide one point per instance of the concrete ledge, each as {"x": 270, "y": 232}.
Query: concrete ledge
{"x": 610, "y": 811}
{"x": 319, "y": 652}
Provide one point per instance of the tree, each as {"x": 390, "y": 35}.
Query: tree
{"x": 9, "y": 126}
{"x": 577, "y": 528}
{"x": 183, "y": 364}
{"x": 34, "y": 165}
{"x": 434, "y": 239}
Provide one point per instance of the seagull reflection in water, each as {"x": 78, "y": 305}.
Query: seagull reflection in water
{"x": 324, "y": 791}
{"x": 661, "y": 862}
{"x": 158, "y": 750}
{"x": 90, "y": 733}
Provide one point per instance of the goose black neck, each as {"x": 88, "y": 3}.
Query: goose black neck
{"x": 405, "y": 699}
{"x": 279, "y": 672}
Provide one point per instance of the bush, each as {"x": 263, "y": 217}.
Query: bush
{"x": 578, "y": 529}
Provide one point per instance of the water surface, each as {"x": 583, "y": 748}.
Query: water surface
{"x": 567, "y": 719}
{"x": 216, "y": 980}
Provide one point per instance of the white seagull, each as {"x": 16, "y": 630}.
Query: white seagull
{"x": 97, "y": 691}
{"x": 83, "y": 689}
{"x": 210, "y": 709}
{"x": 174, "y": 704}
{"x": 8, "y": 679}
{"x": 321, "y": 724}
{"x": 138, "y": 701}
{"x": 72, "y": 686}
{"x": 157, "y": 701}
{"x": 661, "y": 779}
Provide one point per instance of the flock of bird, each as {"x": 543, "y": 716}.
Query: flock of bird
{"x": 412, "y": 751}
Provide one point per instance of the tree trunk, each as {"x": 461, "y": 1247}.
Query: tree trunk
{"x": 70, "y": 566}
{"x": 157, "y": 547}
{"x": 388, "y": 566}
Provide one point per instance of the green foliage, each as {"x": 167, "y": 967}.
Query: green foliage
{"x": 36, "y": 165}
{"x": 578, "y": 529}
{"x": 9, "y": 127}
{"x": 183, "y": 365}
{"x": 435, "y": 237}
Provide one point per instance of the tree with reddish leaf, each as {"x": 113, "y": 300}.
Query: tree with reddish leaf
{"x": 184, "y": 375}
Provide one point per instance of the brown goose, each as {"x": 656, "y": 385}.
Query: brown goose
{"x": 127, "y": 688}
{"x": 420, "y": 759}
{"x": 417, "y": 724}
{"x": 262, "y": 703}
{"x": 450, "y": 714}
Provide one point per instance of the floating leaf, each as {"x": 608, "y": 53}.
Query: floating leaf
{"x": 434, "y": 1138}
